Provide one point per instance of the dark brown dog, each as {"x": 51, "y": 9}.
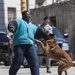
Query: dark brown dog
{"x": 53, "y": 51}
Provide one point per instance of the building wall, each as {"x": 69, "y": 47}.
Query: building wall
{"x": 65, "y": 18}
{"x": 5, "y": 4}
{"x": 12, "y": 4}
{"x": 32, "y": 4}
{"x": 47, "y": 2}
{"x": 2, "y": 19}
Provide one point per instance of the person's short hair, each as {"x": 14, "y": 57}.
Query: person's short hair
{"x": 24, "y": 12}
{"x": 45, "y": 18}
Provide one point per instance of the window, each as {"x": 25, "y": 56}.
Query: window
{"x": 53, "y": 20}
{"x": 11, "y": 14}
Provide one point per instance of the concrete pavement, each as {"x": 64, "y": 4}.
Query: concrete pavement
{"x": 25, "y": 71}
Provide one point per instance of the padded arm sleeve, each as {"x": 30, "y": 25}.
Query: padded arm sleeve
{"x": 12, "y": 24}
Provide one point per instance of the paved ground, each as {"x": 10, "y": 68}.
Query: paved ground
{"x": 26, "y": 71}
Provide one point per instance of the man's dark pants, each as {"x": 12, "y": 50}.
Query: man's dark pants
{"x": 30, "y": 53}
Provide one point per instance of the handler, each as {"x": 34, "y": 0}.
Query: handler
{"x": 23, "y": 43}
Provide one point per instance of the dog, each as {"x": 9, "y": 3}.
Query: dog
{"x": 52, "y": 50}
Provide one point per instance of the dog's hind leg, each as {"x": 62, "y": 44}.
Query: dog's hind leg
{"x": 61, "y": 68}
{"x": 59, "y": 71}
{"x": 65, "y": 72}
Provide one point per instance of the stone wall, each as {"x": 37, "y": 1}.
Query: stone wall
{"x": 65, "y": 18}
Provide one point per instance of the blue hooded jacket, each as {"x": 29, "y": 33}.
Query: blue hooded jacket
{"x": 25, "y": 33}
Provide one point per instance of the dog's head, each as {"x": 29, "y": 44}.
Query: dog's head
{"x": 51, "y": 42}
{"x": 49, "y": 36}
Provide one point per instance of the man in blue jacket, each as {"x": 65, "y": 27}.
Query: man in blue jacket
{"x": 23, "y": 43}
